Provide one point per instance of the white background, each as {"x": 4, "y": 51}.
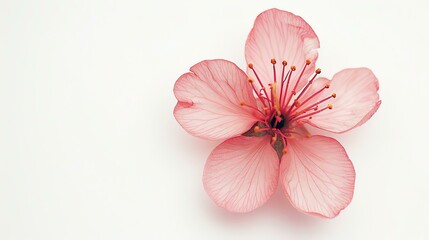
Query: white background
{"x": 89, "y": 148}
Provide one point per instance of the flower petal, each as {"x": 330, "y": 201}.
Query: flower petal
{"x": 283, "y": 36}
{"x": 241, "y": 173}
{"x": 318, "y": 176}
{"x": 209, "y": 100}
{"x": 356, "y": 101}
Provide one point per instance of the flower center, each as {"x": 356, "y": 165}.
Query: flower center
{"x": 278, "y": 122}
{"x": 284, "y": 108}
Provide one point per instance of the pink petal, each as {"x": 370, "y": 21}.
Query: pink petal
{"x": 357, "y": 100}
{"x": 209, "y": 100}
{"x": 283, "y": 36}
{"x": 242, "y": 173}
{"x": 317, "y": 175}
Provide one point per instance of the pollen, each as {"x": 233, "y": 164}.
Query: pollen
{"x": 307, "y": 62}
{"x": 284, "y": 150}
{"x": 293, "y": 68}
{"x": 297, "y": 103}
{"x": 284, "y": 63}
{"x": 318, "y": 71}
{"x": 273, "y": 61}
{"x": 329, "y": 106}
{"x": 334, "y": 95}
{"x": 274, "y": 138}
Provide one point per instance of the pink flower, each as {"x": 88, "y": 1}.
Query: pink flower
{"x": 263, "y": 116}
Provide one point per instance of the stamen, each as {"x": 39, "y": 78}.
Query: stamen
{"x": 311, "y": 114}
{"x": 326, "y": 86}
{"x": 318, "y": 71}
{"x": 283, "y": 137}
{"x": 271, "y": 92}
{"x": 283, "y": 81}
{"x": 296, "y": 102}
{"x": 243, "y": 104}
{"x": 297, "y": 133}
{"x": 257, "y": 93}
{"x": 274, "y": 138}
{"x": 274, "y": 101}
{"x": 273, "y": 61}
{"x": 259, "y": 80}
{"x": 292, "y": 69}
{"x": 307, "y": 62}
{"x": 317, "y": 103}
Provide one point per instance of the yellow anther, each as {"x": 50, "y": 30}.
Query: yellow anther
{"x": 307, "y": 62}
{"x": 284, "y": 63}
{"x": 250, "y": 80}
{"x": 293, "y": 68}
{"x": 334, "y": 95}
{"x": 273, "y": 61}
{"x": 242, "y": 103}
{"x": 284, "y": 150}
{"x": 318, "y": 71}
{"x": 326, "y": 85}
{"x": 250, "y": 65}
{"x": 257, "y": 129}
{"x": 274, "y": 139}
{"x": 330, "y": 106}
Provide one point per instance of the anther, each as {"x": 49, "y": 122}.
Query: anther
{"x": 250, "y": 80}
{"x": 274, "y": 138}
{"x": 257, "y": 129}
{"x": 250, "y": 65}
{"x": 266, "y": 110}
{"x": 293, "y": 68}
{"x": 242, "y": 103}
{"x": 284, "y": 63}
{"x": 297, "y": 103}
{"x": 318, "y": 71}
{"x": 307, "y": 62}
{"x": 273, "y": 61}
{"x": 330, "y": 106}
{"x": 284, "y": 150}
{"x": 326, "y": 85}
{"x": 334, "y": 95}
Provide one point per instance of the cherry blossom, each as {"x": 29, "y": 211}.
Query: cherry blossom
{"x": 262, "y": 118}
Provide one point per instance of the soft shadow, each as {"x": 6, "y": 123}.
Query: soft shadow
{"x": 277, "y": 209}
